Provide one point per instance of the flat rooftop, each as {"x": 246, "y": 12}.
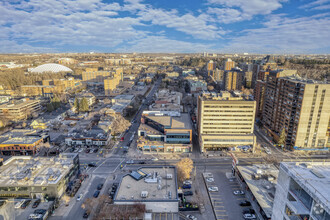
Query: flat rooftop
{"x": 313, "y": 177}
{"x": 173, "y": 122}
{"x": 18, "y": 104}
{"x": 224, "y": 96}
{"x": 158, "y": 187}
{"x": 31, "y": 171}
{"x": 263, "y": 189}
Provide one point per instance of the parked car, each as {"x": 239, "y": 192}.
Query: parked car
{"x": 25, "y": 203}
{"x": 80, "y": 150}
{"x": 96, "y": 194}
{"x": 85, "y": 214}
{"x": 209, "y": 179}
{"x": 187, "y": 186}
{"x": 187, "y": 182}
{"x": 249, "y": 216}
{"x": 188, "y": 193}
{"x": 245, "y": 203}
{"x": 141, "y": 162}
{"x": 238, "y": 192}
{"x": 213, "y": 189}
{"x": 79, "y": 197}
{"x": 87, "y": 151}
{"x": 96, "y": 150}
{"x": 99, "y": 187}
{"x": 249, "y": 211}
{"x": 36, "y": 203}
{"x": 191, "y": 217}
{"x": 19, "y": 204}
{"x": 2, "y": 203}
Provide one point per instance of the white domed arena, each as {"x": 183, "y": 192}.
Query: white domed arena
{"x": 51, "y": 67}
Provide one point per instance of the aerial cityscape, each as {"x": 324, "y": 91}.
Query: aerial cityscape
{"x": 165, "y": 110}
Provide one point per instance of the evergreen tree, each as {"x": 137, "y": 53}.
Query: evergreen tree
{"x": 282, "y": 137}
{"x": 50, "y": 107}
{"x": 83, "y": 105}
{"x": 76, "y": 104}
{"x": 56, "y": 102}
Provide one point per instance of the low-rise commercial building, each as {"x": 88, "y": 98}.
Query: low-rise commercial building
{"x": 302, "y": 191}
{"x": 165, "y": 133}
{"x": 259, "y": 182}
{"x": 89, "y": 97}
{"x": 225, "y": 120}
{"x": 167, "y": 100}
{"x": 37, "y": 177}
{"x": 94, "y": 137}
{"x": 21, "y": 141}
{"x": 156, "y": 187}
{"x": 18, "y": 110}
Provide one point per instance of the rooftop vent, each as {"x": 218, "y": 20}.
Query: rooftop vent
{"x": 317, "y": 174}
{"x": 144, "y": 194}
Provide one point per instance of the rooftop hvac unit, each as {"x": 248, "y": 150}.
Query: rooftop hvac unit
{"x": 270, "y": 178}
{"x": 144, "y": 194}
{"x": 169, "y": 176}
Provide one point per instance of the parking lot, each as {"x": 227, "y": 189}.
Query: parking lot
{"x": 225, "y": 204}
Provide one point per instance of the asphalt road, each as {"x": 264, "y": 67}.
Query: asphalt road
{"x": 134, "y": 127}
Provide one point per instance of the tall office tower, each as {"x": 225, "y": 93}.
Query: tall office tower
{"x": 233, "y": 80}
{"x": 228, "y": 64}
{"x": 210, "y": 68}
{"x": 300, "y": 107}
{"x": 224, "y": 121}
{"x": 302, "y": 191}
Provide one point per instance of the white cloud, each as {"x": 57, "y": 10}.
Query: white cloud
{"x": 155, "y": 44}
{"x": 196, "y": 26}
{"x": 315, "y": 4}
{"x": 251, "y": 7}
{"x": 227, "y": 15}
{"x": 285, "y": 35}
{"x": 8, "y": 46}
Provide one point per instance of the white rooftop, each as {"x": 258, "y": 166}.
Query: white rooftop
{"x": 313, "y": 177}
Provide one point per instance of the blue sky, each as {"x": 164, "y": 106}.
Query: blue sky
{"x": 220, "y": 26}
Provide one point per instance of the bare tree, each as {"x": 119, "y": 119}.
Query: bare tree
{"x": 66, "y": 199}
{"x": 184, "y": 167}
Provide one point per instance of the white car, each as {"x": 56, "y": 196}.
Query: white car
{"x": 130, "y": 162}
{"x": 154, "y": 159}
{"x": 209, "y": 179}
{"x": 249, "y": 216}
{"x": 187, "y": 182}
{"x": 191, "y": 217}
{"x": 238, "y": 192}
{"x": 80, "y": 150}
{"x": 79, "y": 197}
{"x": 19, "y": 204}
{"x": 213, "y": 189}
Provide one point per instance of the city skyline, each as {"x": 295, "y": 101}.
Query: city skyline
{"x": 276, "y": 26}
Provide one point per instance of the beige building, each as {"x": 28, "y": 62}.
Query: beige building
{"x": 20, "y": 109}
{"x": 300, "y": 107}
{"x": 233, "y": 80}
{"x": 228, "y": 64}
{"x": 111, "y": 83}
{"x": 225, "y": 121}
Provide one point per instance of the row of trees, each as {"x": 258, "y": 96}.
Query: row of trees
{"x": 82, "y": 105}
{"x": 15, "y": 78}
